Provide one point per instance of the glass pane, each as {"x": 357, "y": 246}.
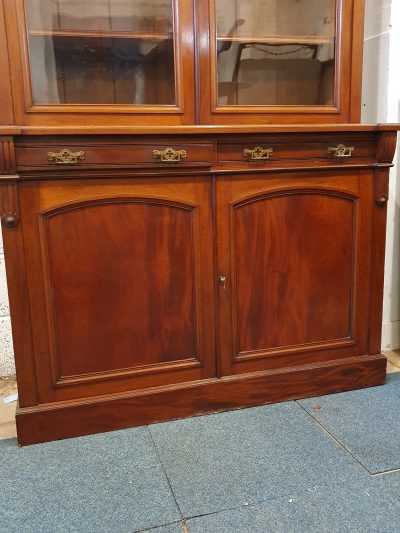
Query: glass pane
{"x": 101, "y": 51}
{"x": 276, "y": 52}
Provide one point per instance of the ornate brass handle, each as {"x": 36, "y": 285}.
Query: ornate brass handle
{"x": 258, "y": 153}
{"x": 169, "y": 155}
{"x": 341, "y": 150}
{"x": 65, "y": 157}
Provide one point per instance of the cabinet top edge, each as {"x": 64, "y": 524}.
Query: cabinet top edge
{"x": 193, "y": 130}
{"x": 10, "y": 130}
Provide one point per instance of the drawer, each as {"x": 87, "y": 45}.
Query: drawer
{"x": 124, "y": 154}
{"x": 267, "y": 150}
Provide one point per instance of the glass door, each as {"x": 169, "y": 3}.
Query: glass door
{"x": 275, "y": 53}
{"x": 279, "y": 57}
{"x": 125, "y": 56}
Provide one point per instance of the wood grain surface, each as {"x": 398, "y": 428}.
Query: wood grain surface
{"x": 60, "y": 421}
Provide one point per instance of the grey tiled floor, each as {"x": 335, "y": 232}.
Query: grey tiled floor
{"x": 328, "y": 464}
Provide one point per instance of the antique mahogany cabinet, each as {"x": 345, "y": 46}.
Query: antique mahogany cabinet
{"x": 193, "y": 217}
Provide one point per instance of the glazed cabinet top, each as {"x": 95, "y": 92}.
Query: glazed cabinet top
{"x": 180, "y": 62}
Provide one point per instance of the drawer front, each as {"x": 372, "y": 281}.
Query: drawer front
{"x": 89, "y": 155}
{"x": 267, "y": 150}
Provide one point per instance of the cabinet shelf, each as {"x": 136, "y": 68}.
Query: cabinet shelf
{"x": 106, "y": 34}
{"x": 277, "y": 39}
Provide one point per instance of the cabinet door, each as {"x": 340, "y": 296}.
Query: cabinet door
{"x": 295, "y": 251}
{"x": 120, "y": 282}
{"x": 280, "y": 61}
{"x": 97, "y": 57}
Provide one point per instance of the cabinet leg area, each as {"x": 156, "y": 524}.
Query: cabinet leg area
{"x": 87, "y": 416}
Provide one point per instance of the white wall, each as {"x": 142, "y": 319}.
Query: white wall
{"x": 6, "y": 349}
{"x": 381, "y": 103}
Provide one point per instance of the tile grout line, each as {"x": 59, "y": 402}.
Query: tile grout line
{"x": 226, "y": 509}
{"x": 338, "y": 443}
{"x": 183, "y": 519}
{"x": 156, "y": 527}
{"x": 242, "y": 506}
{"x": 385, "y": 472}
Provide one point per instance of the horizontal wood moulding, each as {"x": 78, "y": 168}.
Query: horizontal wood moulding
{"x": 192, "y": 130}
{"x": 107, "y": 413}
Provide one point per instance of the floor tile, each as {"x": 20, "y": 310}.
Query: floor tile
{"x": 362, "y": 507}
{"x": 366, "y": 422}
{"x": 221, "y": 461}
{"x": 102, "y": 483}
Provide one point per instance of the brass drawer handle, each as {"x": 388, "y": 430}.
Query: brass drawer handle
{"x": 341, "y": 150}
{"x": 258, "y": 153}
{"x": 169, "y": 155}
{"x": 65, "y": 157}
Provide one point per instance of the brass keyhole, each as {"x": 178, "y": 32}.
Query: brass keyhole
{"x": 222, "y": 281}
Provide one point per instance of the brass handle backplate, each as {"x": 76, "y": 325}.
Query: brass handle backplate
{"x": 65, "y": 157}
{"x": 258, "y": 153}
{"x": 169, "y": 155}
{"x": 341, "y": 150}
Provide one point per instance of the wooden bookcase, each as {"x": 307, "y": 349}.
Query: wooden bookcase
{"x": 193, "y": 218}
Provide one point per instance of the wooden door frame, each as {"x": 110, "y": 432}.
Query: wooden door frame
{"x": 350, "y": 24}
{"x": 27, "y": 113}
{"x": 36, "y": 204}
{"x": 268, "y": 359}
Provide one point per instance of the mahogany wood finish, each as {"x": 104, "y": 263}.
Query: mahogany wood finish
{"x": 194, "y": 129}
{"x": 6, "y": 108}
{"x": 299, "y": 148}
{"x": 168, "y": 261}
{"x": 125, "y": 295}
{"x": 72, "y": 419}
{"x": 129, "y": 153}
{"x": 295, "y": 252}
{"x": 121, "y": 283}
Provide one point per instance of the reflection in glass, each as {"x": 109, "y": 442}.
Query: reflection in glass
{"x": 101, "y": 51}
{"x": 276, "y": 52}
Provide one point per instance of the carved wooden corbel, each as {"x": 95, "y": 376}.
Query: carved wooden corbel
{"x": 9, "y": 208}
{"x": 386, "y": 146}
{"x": 7, "y": 156}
